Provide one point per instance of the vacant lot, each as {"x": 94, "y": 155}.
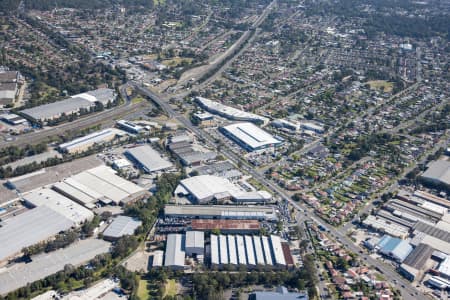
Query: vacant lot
{"x": 381, "y": 85}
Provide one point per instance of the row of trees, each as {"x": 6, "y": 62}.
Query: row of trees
{"x": 211, "y": 285}
{"x": 13, "y": 153}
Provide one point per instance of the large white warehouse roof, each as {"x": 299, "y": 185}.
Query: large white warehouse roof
{"x": 29, "y": 228}
{"x": 230, "y": 112}
{"x": 205, "y": 188}
{"x": 250, "y": 136}
{"x": 57, "y": 202}
{"x": 175, "y": 254}
{"x": 148, "y": 158}
{"x": 104, "y": 181}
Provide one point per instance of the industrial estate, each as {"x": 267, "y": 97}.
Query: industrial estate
{"x": 224, "y": 150}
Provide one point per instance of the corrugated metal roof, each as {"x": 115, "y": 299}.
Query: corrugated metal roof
{"x": 174, "y": 256}
{"x": 232, "y": 249}
{"x": 242, "y": 259}
{"x": 259, "y": 254}
{"x": 251, "y": 135}
{"x": 250, "y": 251}
{"x": 214, "y": 249}
{"x": 278, "y": 255}
{"x": 266, "y": 249}
{"x": 223, "y": 249}
{"x": 148, "y": 158}
{"x": 59, "y": 203}
{"x": 29, "y": 228}
{"x": 120, "y": 226}
{"x": 195, "y": 239}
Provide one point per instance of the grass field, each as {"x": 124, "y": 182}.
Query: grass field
{"x": 171, "y": 288}
{"x": 137, "y": 100}
{"x": 143, "y": 292}
{"x": 173, "y": 62}
{"x": 382, "y": 85}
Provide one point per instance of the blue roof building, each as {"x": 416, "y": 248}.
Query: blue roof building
{"x": 280, "y": 294}
{"x": 395, "y": 248}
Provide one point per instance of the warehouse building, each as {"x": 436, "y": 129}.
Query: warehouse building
{"x": 259, "y": 252}
{"x": 8, "y": 87}
{"x": 207, "y": 188}
{"x": 226, "y": 226}
{"x": 266, "y": 249}
{"x": 72, "y": 105}
{"x": 120, "y": 226}
{"x": 312, "y": 127}
{"x": 29, "y": 228}
{"x": 76, "y": 254}
{"x": 223, "y": 250}
{"x": 214, "y": 245}
{"x": 422, "y": 198}
{"x": 438, "y": 282}
{"x": 444, "y": 268}
{"x": 250, "y": 137}
{"x": 148, "y": 159}
{"x": 195, "y": 243}
{"x": 175, "y": 252}
{"x": 59, "y": 203}
{"x": 231, "y": 242}
{"x": 77, "y": 192}
{"x": 190, "y": 155}
{"x": 248, "y": 251}
{"x": 83, "y": 143}
{"x": 204, "y": 119}
{"x": 414, "y": 265}
{"x": 277, "y": 250}
{"x": 102, "y": 184}
{"x": 395, "y": 248}
{"x": 438, "y": 173}
{"x": 13, "y": 119}
{"x": 281, "y": 293}
{"x": 240, "y": 247}
{"x": 382, "y": 224}
{"x": 223, "y": 169}
{"x": 129, "y": 126}
{"x": 231, "y": 212}
{"x": 230, "y": 112}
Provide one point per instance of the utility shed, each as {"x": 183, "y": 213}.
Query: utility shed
{"x": 148, "y": 159}
{"x": 120, "y": 226}
{"x": 158, "y": 257}
{"x": 195, "y": 243}
{"x": 175, "y": 254}
{"x": 29, "y": 228}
